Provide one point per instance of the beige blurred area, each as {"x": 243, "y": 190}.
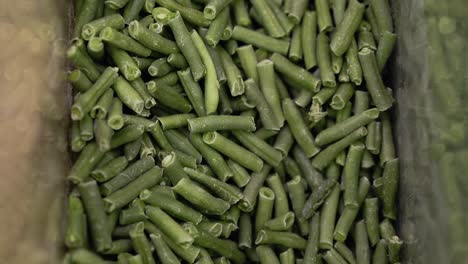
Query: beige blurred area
{"x": 33, "y": 129}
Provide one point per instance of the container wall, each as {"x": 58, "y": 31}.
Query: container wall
{"x": 33, "y": 129}
{"x": 429, "y": 76}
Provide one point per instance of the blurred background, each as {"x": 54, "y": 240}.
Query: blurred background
{"x": 429, "y": 76}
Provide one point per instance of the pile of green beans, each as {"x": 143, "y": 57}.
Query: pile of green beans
{"x": 221, "y": 131}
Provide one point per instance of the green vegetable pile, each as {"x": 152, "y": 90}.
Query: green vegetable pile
{"x": 220, "y": 131}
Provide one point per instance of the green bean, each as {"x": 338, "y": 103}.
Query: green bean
{"x": 284, "y": 141}
{"x": 88, "y": 99}
{"x": 141, "y": 243}
{"x": 136, "y": 259}
{"x": 344, "y": 76}
{"x": 387, "y": 151}
{"x": 172, "y": 206}
{"x": 76, "y": 233}
{"x": 269, "y": 20}
{"x": 159, "y": 68}
{"x": 177, "y": 60}
{"x": 366, "y": 40}
{"x": 267, "y": 116}
{"x": 232, "y": 150}
{"x": 115, "y": 118}
{"x": 333, "y": 257}
{"x": 103, "y": 105}
{"x": 245, "y": 231}
{"x": 182, "y": 143}
{"x": 372, "y": 220}
{"x": 164, "y": 252}
{"x": 351, "y": 172}
{"x": 266, "y": 76}
{"x": 386, "y": 229}
{"x": 173, "y": 169}
{"x": 87, "y": 12}
{"x": 168, "y": 97}
{"x": 344, "y": 33}
{"x": 168, "y": 226}
{"x": 175, "y": 121}
{"x": 226, "y": 248}
{"x": 151, "y": 40}
{"x": 298, "y": 128}
{"x": 324, "y": 61}
{"x": 147, "y": 147}
{"x": 193, "y": 16}
{"x": 92, "y": 28}
{"x": 86, "y": 128}
{"x": 211, "y": 81}
{"x": 87, "y": 160}
{"x": 380, "y": 95}
{"x": 390, "y": 179}
{"x": 241, "y": 13}
{"x": 132, "y": 10}
{"x": 103, "y": 134}
{"x": 126, "y": 135}
{"x": 394, "y": 245}
{"x": 199, "y": 197}
{"x": 122, "y": 231}
{"x": 227, "y": 192}
{"x": 380, "y": 253}
{"x": 287, "y": 239}
{"x": 115, "y": 4}
{"x": 267, "y": 255}
{"x": 132, "y": 215}
{"x": 96, "y": 49}
{"x": 214, "y": 8}
{"x": 308, "y": 38}
{"x": 281, "y": 200}
{"x": 259, "y": 147}
{"x": 361, "y": 102}
{"x": 140, "y": 87}
{"x": 205, "y": 257}
{"x": 84, "y": 256}
{"x": 248, "y": 61}
{"x": 225, "y": 107}
{"x": 283, "y": 19}
{"x": 217, "y": 26}
{"x": 240, "y": 175}
{"x": 327, "y": 218}
{"x": 94, "y": 208}
{"x": 386, "y": 44}
{"x": 227, "y": 32}
{"x": 382, "y": 13}
{"x": 119, "y": 246}
{"x": 213, "y": 228}
{"x": 79, "y": 80}
{"x": 374, "y": 137}
{"x": 312, "y": 176}
{"x": 324, "y": 19}
{"x": 312, "y": 247}
{"x": 230, "y": 46}
{"x": 362, "y": 244}
{"x": 139, "y": 121}
{"x": 342, "y": 96}
{"x": 220, "y": 122}
{"x": 317, "y": 198}
{"x": 266, "y": 199}
{"x": 124, "y": 42}
{"x": 127, "y": 175}
{"x": 288, "y": 257}
{"x": 123, "y": 196}
{"x": 345, "y": 127}
{"x": 280, "y": 223}
{"x": 345, "y": 252}
{"x": 260, "y": 40}
{"x": 251, "y": 190}
{"x": 193, "y": 91}
{"x": 338, "y": 8}
{"x": 212, "y": 157}
{"x": 296, "y": 51}
{"x": 128, "y": 95}
{"x": 354, "y": 67}
{"x": 233, "y": 74}
{"x": 298, "y": 75}
{"x": 349, "y": 214}
{"x": 186, "y": 45}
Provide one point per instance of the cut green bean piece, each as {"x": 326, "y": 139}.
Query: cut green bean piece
{"x": 241, "y": 13}
{"x": 287, "y": 239}
{"x": 324, "y": 19}
{"x": 345, "y": 127}
{"x": 351, "y": 172}
{"x": 85, "y": 256}
{"x": 372, "y": 220}
{"x": 386, "y": 44}
{"x": 225, "y": 107}
{"x": 123, "y": 196}
{"x": 119, "y": 246}
{"x": 132, "y": 10}
{"x": 267, "y": 116}
{"x": 311, "y": 251}
{"x": 317, "y": 198}
{"x": 132, "y": 215}
{"x": 103, "y": 134}
{"x": 165, "y": 95}
{"x": 324, "y": 61}
{"x": 283, "y": 19}
{"x": 211, "y": 81}
{"x": 182, "y": 143}
{"x": 86, "y": 128}
{"x": 311, "y": 175}
{"x": 86, "y": 162}
{"x": 280, "y": 223}
{"x": 354, "y": 67}
{"x": 126, "y": 135}
{"x": 128, "y": 95}
{"x": 239, "y": 154}
{"x": 200, "y": 198}
{"x": 327, "y": 219}
{"x": 281, "y": 200}
{"x": 260, "y": 40}
{"x": 245, "y": 231}
{"x": 333, "y": 257}
{"x": 308, "y": 38}
{"x": 343, "y": 75}
{"x": 269, "y": 20}
{"x": 115, "y": 118}
{"x": 171, "y": 206}
{"x": 152, "y": 40}
{"x": 226, "y": 248}
{"x": 240, "y": 175}
{"x": 221, "y": 122}
{"x": 345, "y": 252}
{"x": 248, "y": 61}
{"x": 344, "y": 33}
{"x": 284, "y": 141}
{"x": 383, "y": 17}
{"x": 390, "y": 186}
{"x": 259, "y": 147}
{"x": 266, "y": 255}
{"x": 87, "y": 12}
{"x": 287, "y": 257}
{"x": 94, "y": 208}
{"x": 177, "y": 60}
{"x": 79, "y": 80}
{"x": 381, "y": 97}
{"x": 380, "y": 253}
{"x": 96, "y": 49}
{"x": 193, "y": 91}
{"x": 233, "y": 74}
{"x": 296, "y": 74}
{"x": 77, "y": 144}
{"x": 213, "y": 228}
{"x": 76, "y": 232}
{"x": 164, "y": 252}
{"x": 299, "y": 129}
{"x": 168, "y": 226}
{"x": 226, "y": 191}
{"x": 141, "y": 244}
{"x": 374, "y": 137}
{"x": 247, "y": 203}
{"x": 387, "y": 152}
{"x": 342, "y": 96}
{"x": 217, "y": 26}
{"x": 193, "y": 16}
{"x": 92, "y": 28}
{"x": 362, "y": 244}
{"x": 264, "y": 211}
{"x": 266, "y": 74}
{"x": 147, "y": 147}
{"x": 174, "y": 121}
{"x": 159, "y": 68}
{"x": 103, "y": 105}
